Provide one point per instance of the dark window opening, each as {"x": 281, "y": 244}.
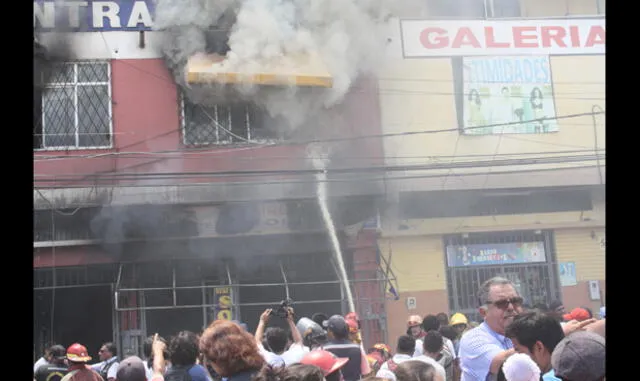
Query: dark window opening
{"x": 225, "y": 124}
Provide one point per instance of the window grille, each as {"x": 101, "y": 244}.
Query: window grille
{"x": 72, "y": 106}
{"x": 223, "y": 124}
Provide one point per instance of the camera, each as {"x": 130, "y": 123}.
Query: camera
{"x": 282, "y": 310}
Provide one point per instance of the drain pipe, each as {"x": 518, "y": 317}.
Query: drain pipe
{"x": 596, "y": 109}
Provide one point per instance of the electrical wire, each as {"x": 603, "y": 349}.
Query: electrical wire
{"x": 187, "y": 155}
{"x": 142, "y": 176}
{"x": 352, "y": 179}
{"x": 398, "y": 134}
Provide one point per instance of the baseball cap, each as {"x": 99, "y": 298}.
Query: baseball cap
{"x": 336, "y": 324}
{"x": 131, "y": 369}
{"x": 580, "y": 357}
{"x": 578, "y": 314}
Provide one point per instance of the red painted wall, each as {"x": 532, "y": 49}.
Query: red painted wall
{"x": 146, "y": 119}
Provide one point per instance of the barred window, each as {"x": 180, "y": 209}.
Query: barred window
{"x": 224, "y": 124}
{"x": 72, "y": 106}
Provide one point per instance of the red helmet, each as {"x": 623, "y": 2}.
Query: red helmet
{"x": 325, "y": 360}
{"x": 78, "y": 353}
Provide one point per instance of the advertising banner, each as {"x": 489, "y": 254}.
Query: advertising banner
{"x": 567, "y": 272}
{"x": 93, "y": 15}
{"x": 223, "y": 303}
{"x": 507, "y": 95}
{"x": 450, "y": 38}
{"x": 495, "y": 254}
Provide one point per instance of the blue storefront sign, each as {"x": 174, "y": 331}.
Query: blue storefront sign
{"x": 93, "y": 16}
{"x": 495, "y": 254}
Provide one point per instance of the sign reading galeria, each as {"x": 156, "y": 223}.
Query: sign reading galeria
{"x": 428, "y": 38}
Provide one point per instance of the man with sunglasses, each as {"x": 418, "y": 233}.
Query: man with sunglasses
{"x": 484, "y": 349}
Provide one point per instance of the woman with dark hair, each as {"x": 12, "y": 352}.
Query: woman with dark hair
{"x": 183, "y": 352}
{"x": 231, "y": 351}
{"x": 475, "y": 114}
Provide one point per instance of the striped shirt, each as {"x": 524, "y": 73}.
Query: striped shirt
{"x": 478, "y": 347}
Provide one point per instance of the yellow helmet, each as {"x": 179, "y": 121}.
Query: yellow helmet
{"x": 458, "y": 318}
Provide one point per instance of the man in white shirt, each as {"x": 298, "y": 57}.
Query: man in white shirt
{"x": 108, "y": 365}
{"x": 278, "y": 340}
{"x": 404, "y": 352}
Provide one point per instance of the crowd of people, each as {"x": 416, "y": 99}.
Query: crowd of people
{"x": 512, "y": 343}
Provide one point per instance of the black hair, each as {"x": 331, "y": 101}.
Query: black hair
{"x": 319, "y": 318}
{"x": 530, "y": 327}
{"x": 589, "y": 311}
{"x": 433, "y": 342}
{"x": 184, "y": 348}
{"x": 277, "y": 339}
{"x": 111, "y": 347}
{"x": 443, "y": 318}
{"x": 303, "y": 372}
{"x": 430, "y": 323}
{"x": 406, "y": 344}
{"x": 449, "y": 332}
{"x": 147, "y": 350}
{"x": 415, "y": 371}
{"x": 57, "y": 353}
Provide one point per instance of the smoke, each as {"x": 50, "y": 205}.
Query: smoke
{"x": 347, "y": 36}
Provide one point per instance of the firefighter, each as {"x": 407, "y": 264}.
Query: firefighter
{"x": 78, "y": 357}
{"x": 329, "y": 363}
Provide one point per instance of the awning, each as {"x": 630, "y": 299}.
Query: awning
{"x": 284, "y": 71}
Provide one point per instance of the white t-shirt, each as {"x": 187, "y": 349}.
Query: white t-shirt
{"x": 293, "y": 355}
{"x": 41, "y": 361}
{"x": 434, "y": 363}
{"x": 385, "y": 372}
{"x": 113, "y": 369}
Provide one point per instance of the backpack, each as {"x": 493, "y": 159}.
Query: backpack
{"x": 178, "y": 373}
{"x": 104, "y": 372}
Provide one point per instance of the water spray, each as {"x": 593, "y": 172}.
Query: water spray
{"x": 320, "y": 160}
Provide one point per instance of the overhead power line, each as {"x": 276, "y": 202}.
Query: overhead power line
{"x": 311, "y": 171}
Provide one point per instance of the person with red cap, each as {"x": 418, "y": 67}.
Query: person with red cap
{"x": 579, "y": 314}
{"x": 78, "y": 357}
{"x": 328, "y": 363}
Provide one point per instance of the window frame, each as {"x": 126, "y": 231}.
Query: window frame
{"x": 75, "y": 84}
{"x": 246, "y": 140}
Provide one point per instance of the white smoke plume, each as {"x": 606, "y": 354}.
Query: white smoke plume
{"x": 348, "y": 36}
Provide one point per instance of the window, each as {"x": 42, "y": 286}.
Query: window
{"x": 503, "y": 8}
{"x": 224, "y": 124}
{"x": 470, "y": 9}
{"x": 72, "y": 106}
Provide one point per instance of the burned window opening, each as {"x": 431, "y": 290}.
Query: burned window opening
{"x": 72, "y": 104}
{"x": 219, "y": 124}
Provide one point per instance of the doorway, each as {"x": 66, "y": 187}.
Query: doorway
{"x": 73, "y": 314}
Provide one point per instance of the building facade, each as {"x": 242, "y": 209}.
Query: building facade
{"x": 495, "y": 112}
{"x": 156, "y": 213}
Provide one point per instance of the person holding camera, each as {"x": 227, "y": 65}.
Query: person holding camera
{"x": 280, "y": 353}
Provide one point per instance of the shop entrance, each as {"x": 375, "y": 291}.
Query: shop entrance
{"x": 527, "y": 258}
